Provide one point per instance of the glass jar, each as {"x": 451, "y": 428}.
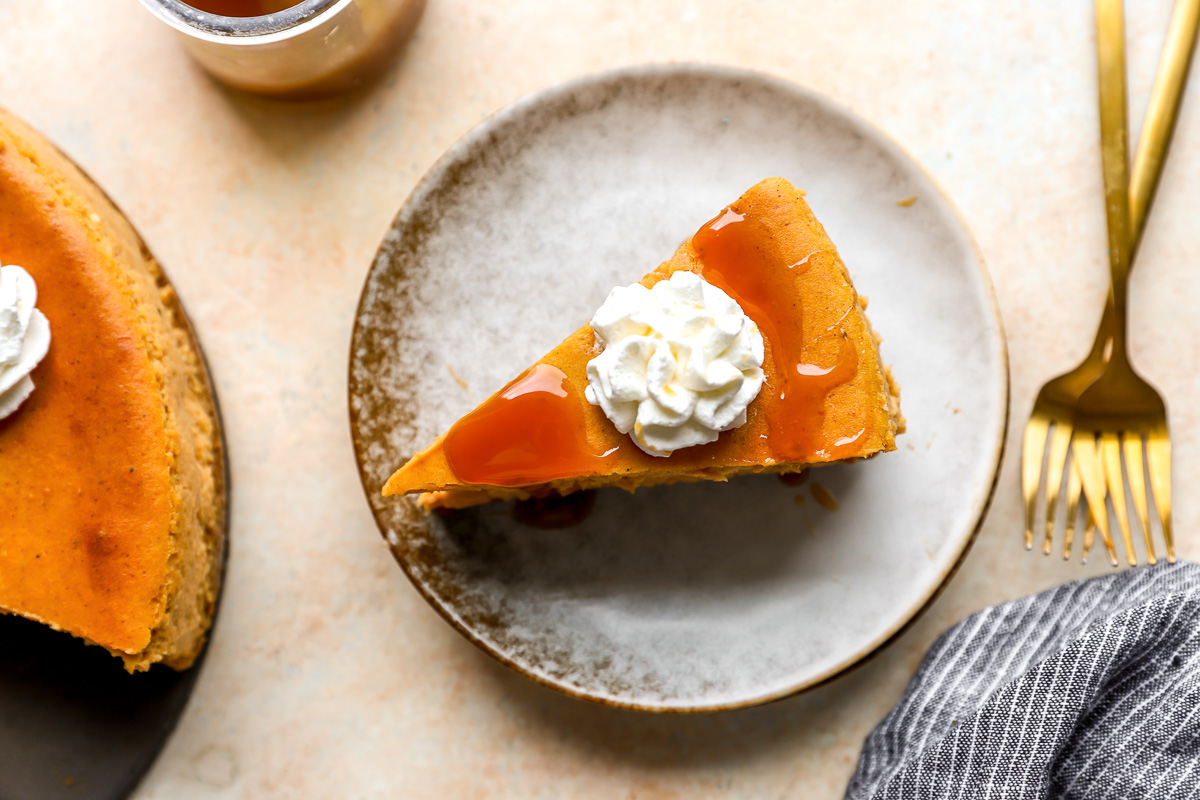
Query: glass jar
{"x": 314, "y": 48}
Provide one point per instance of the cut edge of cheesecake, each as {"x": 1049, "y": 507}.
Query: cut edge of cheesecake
{"x": 429, "y": 473}
{"x": 196, "y": 468}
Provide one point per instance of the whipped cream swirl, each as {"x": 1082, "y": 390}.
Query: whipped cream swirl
{"x": 681, "y": 363}
{"x": 24, "y": 337}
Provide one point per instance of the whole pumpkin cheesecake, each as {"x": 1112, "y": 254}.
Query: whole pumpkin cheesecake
{"x": 748, "y": 351}
{"x": 111, "y": 472}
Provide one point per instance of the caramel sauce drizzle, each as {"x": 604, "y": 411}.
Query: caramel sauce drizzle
{"x": 733, "y": 253}
{"x": 532, "y": 432}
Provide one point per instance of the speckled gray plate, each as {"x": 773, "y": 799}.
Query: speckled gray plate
{"x": 691, "y": 597}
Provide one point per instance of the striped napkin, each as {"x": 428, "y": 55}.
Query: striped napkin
{"x": 1090, "y": 690}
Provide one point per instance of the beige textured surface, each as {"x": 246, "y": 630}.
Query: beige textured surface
{"x": 328, "y": 675}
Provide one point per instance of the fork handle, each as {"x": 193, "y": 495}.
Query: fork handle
{"x": 1114, "y": 154}
{"x": 1161, "y": 114}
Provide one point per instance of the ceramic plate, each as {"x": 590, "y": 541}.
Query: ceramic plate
{"x": 689, "y": 597}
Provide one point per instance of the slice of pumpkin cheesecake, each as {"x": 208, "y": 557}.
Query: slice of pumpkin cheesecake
{"x": 747, "y": 351}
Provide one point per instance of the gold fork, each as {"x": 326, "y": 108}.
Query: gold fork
{"x": 1122, "y": 401}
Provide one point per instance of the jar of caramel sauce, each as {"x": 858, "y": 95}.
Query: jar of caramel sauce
{"x": 291, "y": 49}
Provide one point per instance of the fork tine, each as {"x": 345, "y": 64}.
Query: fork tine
{"x": 1089, "y": 531}
{"x": 1110, "y": 450}
{"x": 1092, "y": 472}
{"x": 1135, "y": 468}
{"x": 1060, "y": 443}
{"x": 1031, "y": 470}
{"x": 1158, "y": 452}
{"x": 1074, "y": 489}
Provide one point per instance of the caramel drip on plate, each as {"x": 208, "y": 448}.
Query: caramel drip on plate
{"x": 735, "y": 255}
{"x": 555, "y": 511}
{"x": 794, "y": 478}
{"x": 824, "y": 497}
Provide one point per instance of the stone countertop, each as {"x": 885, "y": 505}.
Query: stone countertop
{"x": 329, "y": 676}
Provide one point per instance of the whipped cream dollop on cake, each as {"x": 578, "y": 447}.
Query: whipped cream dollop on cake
{"x": 24, "y": 337}
{"x": 681, "y": 363}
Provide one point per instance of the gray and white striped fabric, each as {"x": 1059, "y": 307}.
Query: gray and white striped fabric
{"x": 1090, "y": 690}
